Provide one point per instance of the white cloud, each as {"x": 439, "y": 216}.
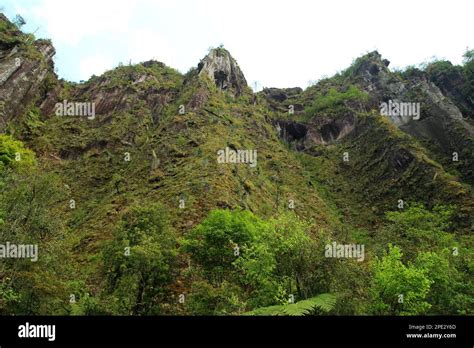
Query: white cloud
{"x": 70, "y": 22}
{"x": 94, "y": 65}
{"x": 276, "y": 42}
{"x": 146, "y": 44}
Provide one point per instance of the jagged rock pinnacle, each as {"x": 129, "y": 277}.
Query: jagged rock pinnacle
{"x": 223, "y": 69}
{"x": 372, "y": 65}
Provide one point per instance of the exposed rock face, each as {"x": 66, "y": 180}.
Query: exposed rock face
{"x": 223, "y": 70}
{"x": 454, "y": 85}
{"x": 136, "y": 86}
{"x": 282, "y": 99}
{"x": 22, "y": 74}
{"x": 373, "y": 75}
{"x": 321, "y": 131}
{"x": 109, "y": 99}
{"x": 331, "y": 130}
{"x": 292, "y": 132}
{"x": 441, "y": 126}
{"x": 281, "y": 94}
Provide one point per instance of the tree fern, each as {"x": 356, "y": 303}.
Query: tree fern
{"x": 323, "y": 302}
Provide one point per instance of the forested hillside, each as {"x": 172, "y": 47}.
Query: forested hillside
{"x": 152, "y": 192}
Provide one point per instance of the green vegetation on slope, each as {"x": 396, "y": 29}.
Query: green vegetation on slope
{"x": 133, "y": 214}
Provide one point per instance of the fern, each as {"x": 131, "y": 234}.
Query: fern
{"x": 323, "y": 302}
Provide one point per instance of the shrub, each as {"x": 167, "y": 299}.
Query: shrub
{"x": 13, "y": 154}
{"x": 398, "y": 289}
{"x": 334, "y": 99}
{"x": 206, "y": 299}
{"x": 274, "y": 259}
{"x": 218, "y": 240}
{"x": 419, "y": 229}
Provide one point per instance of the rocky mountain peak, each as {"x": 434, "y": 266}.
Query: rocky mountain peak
{"x": 371, "y": 66}
{"x": 25, "y": 65}
{"x": 223, "y": 69}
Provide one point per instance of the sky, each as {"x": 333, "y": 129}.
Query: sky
{"x": 276, "y": 43}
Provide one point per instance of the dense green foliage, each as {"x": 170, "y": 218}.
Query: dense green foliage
{"x": 30, "y": 214}
{"x": 270, "y": 263}
{"x": 231, "y": 239}
{"x": 13, "y": 154}
{"x": 334, "y": 99}
{"x": 399, "y": 289}
{"x": 323, "y": 302}
{"x": 141, "y": 260}
{"x": 430, "y": 275}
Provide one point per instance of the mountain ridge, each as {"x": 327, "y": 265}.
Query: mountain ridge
{"x": 325, "y": 153}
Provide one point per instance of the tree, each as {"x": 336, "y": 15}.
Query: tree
{"x": 141, "y": 260}
{"x": 468, "y": 56}
{"x": 270, "y": 261}
{"x": 30, "y": 215}
{"x": 220, "y": 239}
{"x": 19, "y": 21}
{"x": 257, "y": 266}
{"x": 296, "y": 253}
{"x": 419, "y": 229}
{"x": 283, "y": 262}
{"x": 450, "y": 291}
{"x": 398, "y": 289}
